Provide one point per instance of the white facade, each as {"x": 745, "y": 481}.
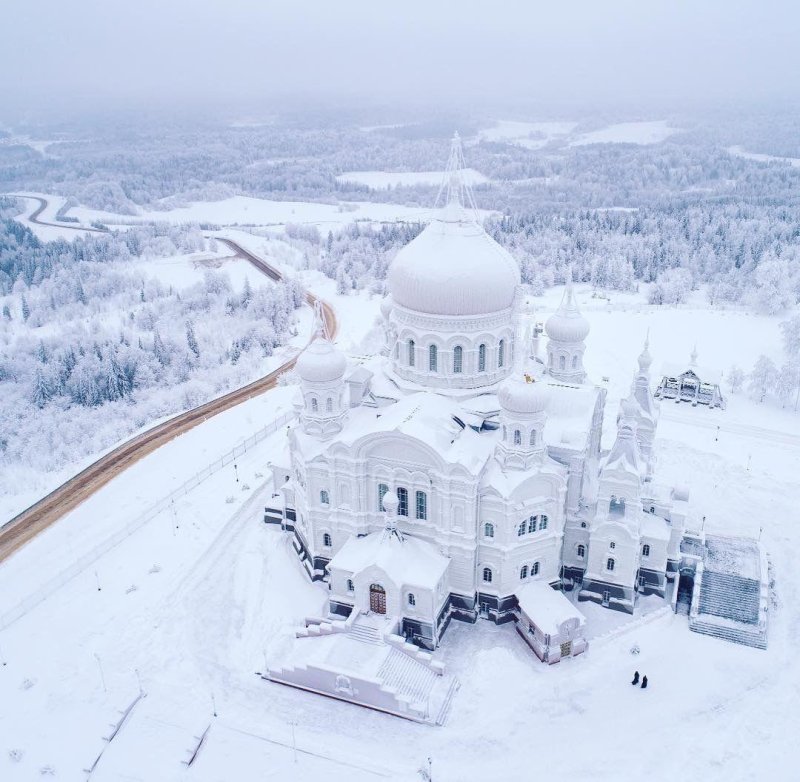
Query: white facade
{"x": 490, "y": 462}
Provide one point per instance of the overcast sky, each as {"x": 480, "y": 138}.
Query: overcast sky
{"x": 183, "y": 52}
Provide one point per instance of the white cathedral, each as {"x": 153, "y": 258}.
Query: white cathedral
{"x": 442, "y": 479}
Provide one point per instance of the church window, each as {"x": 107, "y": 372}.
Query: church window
{"x": 487, "y": 575}
{"x": 402, "y": 495}
{"x": 610, "y": 563}
{"x": 458, "y": 359}
{"x": 583, "y": 525}
{"x": 574, "y": 362}
{"x": 329, "y": 405}
{"x": 612, "y": 544}
{"x": 412, "y": 601}
{"x": 517, "y": 437}
{"x": 324, "y": 498}
{"x": 533, "y": 438}
{"x": 433, "y": 359}
{"x": 523, "y": 573}
{"x": 542, "y": 522}
{"x": 326, "y": 540}
{"x": 562, "y": 362}
{"x": 411, "y": 352}
{"x": 314, "y": 404}
{"x": 532, "y": 524}
{"x": 535, "y": 569}
{"x": 501, "y": 353}
{"x": 481, "y": 358}
{"x": 581, "y": 550}
{"x": 382, "y": 489}
{"x": 646, "y": 550}
{"x": 422, "y": 505}
{"x": 521, "y": 530}
{"x": 350, "y": 586}
{"x": 488, "y": 530}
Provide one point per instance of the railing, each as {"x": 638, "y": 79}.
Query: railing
{"x": 7, "y": 618}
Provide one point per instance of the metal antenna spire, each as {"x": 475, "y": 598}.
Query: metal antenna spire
{"x": 455, "y": 187}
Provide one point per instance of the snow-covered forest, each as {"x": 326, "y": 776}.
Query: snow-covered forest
{"x": 94, "y": 346}
{"x": 91, "y": 341}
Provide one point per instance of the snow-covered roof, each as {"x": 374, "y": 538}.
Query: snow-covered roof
{"x": 426, "y": 417}
{"x": 407, "y": 561}
{"x": 546, "y": 607}
{"x": 624, "y": 454}
{"x": 321, "y": 362}
{"x": 454, "y": 268}
{"x": 704, "y": 374}
{"x": 654, "y": 527}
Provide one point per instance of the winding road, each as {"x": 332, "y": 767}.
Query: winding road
{"x": 33, "y": 217}
{"x": 19, "y": 530}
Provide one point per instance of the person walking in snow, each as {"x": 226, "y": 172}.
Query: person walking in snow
{"x": 644, "y": 682}
{"x": 635, "y": 677}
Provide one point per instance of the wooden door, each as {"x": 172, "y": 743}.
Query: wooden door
{"x": 377, "y": 599}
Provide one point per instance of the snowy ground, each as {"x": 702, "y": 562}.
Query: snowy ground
{"x": 244, "y": 210}
{"x": 762, "y": 158}
{"x": 217, "y": 595}
{"x": 532, "y": 135}
{"x": 628, "y": 133}
{"x": 383, "y": 180}
{"x": 47, "y": 233}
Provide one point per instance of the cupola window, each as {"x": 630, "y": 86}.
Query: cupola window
{"x": 482, "y": 358}
{"x": 411, "y": 353}
{"x": 433, "y": 359}
{"x": 458, "y": 359}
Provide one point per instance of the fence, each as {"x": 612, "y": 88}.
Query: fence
{"x": 83, "y": 562}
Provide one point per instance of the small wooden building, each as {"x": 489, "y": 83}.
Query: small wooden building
{"x": 694, "y": 384}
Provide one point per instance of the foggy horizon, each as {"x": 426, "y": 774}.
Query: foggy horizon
{"x": 235, "y": 57}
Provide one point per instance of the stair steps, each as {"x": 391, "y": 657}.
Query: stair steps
{"x": 407, "y": 677}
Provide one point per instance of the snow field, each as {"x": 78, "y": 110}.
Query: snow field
{"x": 383, "y": 180}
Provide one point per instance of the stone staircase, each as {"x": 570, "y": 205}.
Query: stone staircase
{"x": 407, "y": 677}
{"x": 365, "y": 633}
{"x": 730, "y": 596}
{"x": 735, "y": 632}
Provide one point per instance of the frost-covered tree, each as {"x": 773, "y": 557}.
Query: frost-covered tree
{"x": 791, "y": 337}
{"x": 788, "y": 384}
{"x": 763, "y": 377}
{"x": 736, "y": 378}
{"x": 773, "y": 286}
{"x": 191, "y": 339}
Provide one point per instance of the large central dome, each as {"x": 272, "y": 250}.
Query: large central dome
{"x": 454, "y": 268}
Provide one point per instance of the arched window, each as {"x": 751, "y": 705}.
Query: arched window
{"x": 314, "y": 405}
{"x": 646, "y": 550}
{"x": 574, "y": 362}
{"x": 382, "y": 489}
{"x": 542, "y": 522}
{"x": 402, "y": 495}
{"x": 521, "y": 530}
{"x": 433, "y": 359}
{"x": 533, "y": 438}
{"x": 488, "y": 530}
{"x": 329, "y": 405}
{"x": 422, "y": 505}
{"x": 562, "y": 362}
{"x": 481, "y": 358}
{"x": 610, "y": 563}
{"x": 412, "y": 601}
{"x": 535, "y": 569}
{"x": 411, "y": 353}
{"x": 523, "y": 572}
{"x": 326, "y": 540}
{"x": 532, "y": 523}
{"x": 517, "y": 437}
{"x": 501, "y": 353}
{"x": 350, "y": 586}
{"x": 324, "y": 498}
{"x": 458, "y": 359}
{"x": 583, "y": 525}
{"x": 612, "y": 544}
{"x": 581, "y": 550}
{"x": 487, "y": 575}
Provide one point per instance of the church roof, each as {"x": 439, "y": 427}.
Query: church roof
{"x": 454, "y": 267}
{"x": 407, "y": 561}
{"x": 567, "y": 324}
{"x": 704, "y": 374}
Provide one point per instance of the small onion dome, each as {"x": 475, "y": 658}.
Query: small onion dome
{"x": 390, "y": 502}
{"x": 516, "y": 395}
{"x": 629, "y": 410}
{"x": 321, "y": 362}
{"x": 386, "y": 307}
{"x": 567, "y": 324}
